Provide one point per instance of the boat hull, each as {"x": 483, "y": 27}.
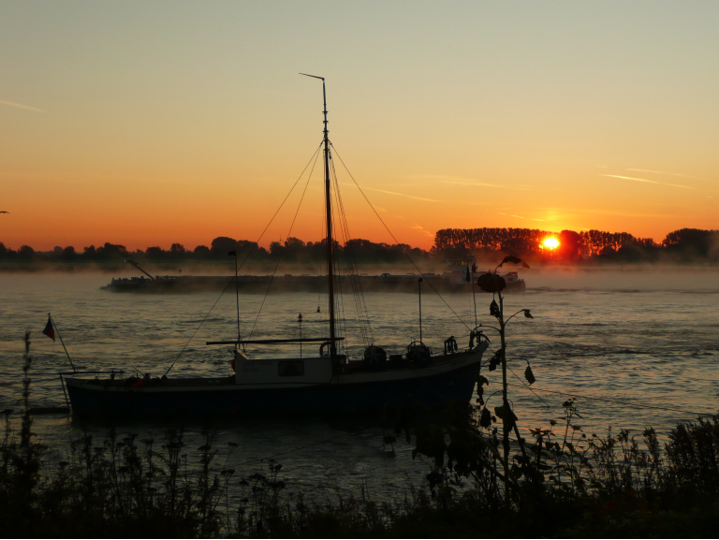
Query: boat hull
{"x": 452, "y": 283}
{"x": 436, "y": 386}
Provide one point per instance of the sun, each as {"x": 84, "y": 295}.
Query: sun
{"x": 550, "y": 243}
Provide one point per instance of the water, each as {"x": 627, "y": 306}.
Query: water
{"x": 640, "y": 348}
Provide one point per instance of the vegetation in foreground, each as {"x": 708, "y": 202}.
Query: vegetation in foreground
{"x": 568, "y": 485}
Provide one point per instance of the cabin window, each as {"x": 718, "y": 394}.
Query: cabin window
{"x": 291, "y": 368}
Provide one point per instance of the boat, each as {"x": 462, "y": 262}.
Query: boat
{"x": 325, "y": 382}
{"x": 513, "y": 283}
{"x": 461, "y": 271}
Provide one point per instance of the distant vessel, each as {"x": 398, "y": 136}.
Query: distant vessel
{"x": 514, "y": 282}
{"x": 327, "y": 381}
{"x": 459, "y": 274}
{"x": 448, "y": 282}
{"x": 454, "y": 280}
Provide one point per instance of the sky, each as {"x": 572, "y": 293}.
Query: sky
{"x": 148, "y": 123}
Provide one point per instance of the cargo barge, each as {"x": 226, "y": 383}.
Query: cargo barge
{"x": 397, "y": 283}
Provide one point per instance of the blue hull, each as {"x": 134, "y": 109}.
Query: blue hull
{"x": 433, "y": 392}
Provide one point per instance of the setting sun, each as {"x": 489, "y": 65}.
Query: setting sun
{"x": 550, "y": 243}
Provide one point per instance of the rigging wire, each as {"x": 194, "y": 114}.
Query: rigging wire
{"x": 395, "y": 239}
{"x": 620, "y": 402}
{"x": 279, "y": 260}
{"x": 312, "y": 159}
{"x": 198, "y": 328}
{"x": 353, "y": 270}
{"x": 593, "y": 398}
{"x": 250, "y": 251}
{"x": 529, "y": 388}
{"x": 341, "y": 321}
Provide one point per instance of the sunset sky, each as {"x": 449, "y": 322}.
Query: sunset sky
{"x": 147, "y": 123}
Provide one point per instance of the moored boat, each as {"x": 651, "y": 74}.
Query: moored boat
{"x": 317, "y": 385}
{"x": 329, "y": 382}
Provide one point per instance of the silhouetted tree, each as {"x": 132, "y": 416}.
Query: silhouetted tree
{"x": 202, "y": 252}
{"x": 111, "y": 251}
{"x": 693, "y": 242}
{"x": 276, "y": 249}
{"x": 26, "y": 253}
{"x": 222, "y": 245}
{"x": 69, "y": 254}
{"x": 6, "y": 253}
{"x": 570, "y": 245}
{"x": 154, "y": 252}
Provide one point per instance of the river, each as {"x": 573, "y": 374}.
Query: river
{"x": 640, "y": 347}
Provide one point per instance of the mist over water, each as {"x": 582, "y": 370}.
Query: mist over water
{"x": 640, "y": 346}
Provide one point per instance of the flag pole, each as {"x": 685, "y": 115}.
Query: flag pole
{"x": 63, "y": 343}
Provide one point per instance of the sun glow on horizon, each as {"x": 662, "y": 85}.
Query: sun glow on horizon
{"x": 550, "y": 243}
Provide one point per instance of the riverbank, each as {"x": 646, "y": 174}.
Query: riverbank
{"x": 569, "y": 486}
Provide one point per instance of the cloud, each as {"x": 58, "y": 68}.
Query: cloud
{"x": 390, "y": 193}
{"x": 422, "y": 229}
{"x": 572, "y": 212}
{"x": 20, "y": 106}
{"x": 511, "y": 215}
{"x": 644, "y": 180}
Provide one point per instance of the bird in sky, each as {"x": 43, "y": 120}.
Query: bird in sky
{"x": 4, "y": 212}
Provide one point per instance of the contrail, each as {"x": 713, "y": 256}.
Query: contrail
{"x": 668, "y": 173}
{"x": 644, "y": 180}
{"x": 20, "y": 106}
{"x": 401, "y": 195}
{"x": 459, "y": 180}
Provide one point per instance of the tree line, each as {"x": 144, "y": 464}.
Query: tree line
{"x": 291, "y": 250}
{"x": 680, "y": 245}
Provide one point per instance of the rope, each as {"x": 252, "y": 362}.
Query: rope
{"x": 397, "y": 241}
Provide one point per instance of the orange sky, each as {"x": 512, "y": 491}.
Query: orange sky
{"x": 147, "y": 124}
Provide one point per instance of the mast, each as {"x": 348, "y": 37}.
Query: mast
{"x": 328, "y": 211}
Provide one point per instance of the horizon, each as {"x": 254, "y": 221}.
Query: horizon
{"x": 150, "y": 124}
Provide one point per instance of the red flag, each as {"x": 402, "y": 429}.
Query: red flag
{"x": 525, "y": 264}
{"x": 49, "y": 330}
